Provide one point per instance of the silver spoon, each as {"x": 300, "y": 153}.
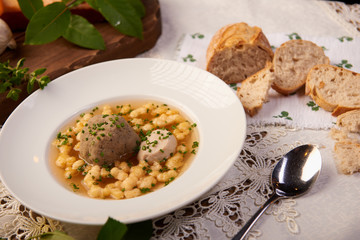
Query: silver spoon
{"x": 292, "y": 176}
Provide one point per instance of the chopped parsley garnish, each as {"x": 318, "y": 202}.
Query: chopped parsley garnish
{"x": 169, "y": 181}
{"x": 195, "y": 144}
{"x": 63, "y": 138}
{"x": 145, "y": 190}
{"x": 75, "y": 187}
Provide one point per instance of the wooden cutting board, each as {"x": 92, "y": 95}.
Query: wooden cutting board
{"x": 60, "y": 56}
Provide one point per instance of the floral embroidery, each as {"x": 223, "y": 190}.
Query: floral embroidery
{"x": 233, "y": 86}
{"x": 284, "y": 115}
{"x": 197, "y": 35}
{"x": 313, "y": 106}
{"x": 182, "y": 224}
{"x": 344, "y": 63}
{"x": 234, "y": 200}
{"x": 294, "y": 36}
{"x": 189, "y": 58}
{"x": 349, "y": 39}
{"x": 284, "y": 211}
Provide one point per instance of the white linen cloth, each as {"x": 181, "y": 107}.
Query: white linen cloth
{"x": 297, "y": 110}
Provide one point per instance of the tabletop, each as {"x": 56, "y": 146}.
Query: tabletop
{"x": 221, "y": 212}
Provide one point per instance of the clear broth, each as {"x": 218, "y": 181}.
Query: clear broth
{"x": 75, "y": 184}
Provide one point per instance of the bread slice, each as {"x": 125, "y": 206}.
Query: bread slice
{"x": 237, "y": 51}
{"x": 292, "y": 61}
{"x": 350, "y": 121}
{"x": 333, "y": 88}
{"x": 347, "y": 157}
{"x": 347, "y": 146}
{"x": 253, "y": 91}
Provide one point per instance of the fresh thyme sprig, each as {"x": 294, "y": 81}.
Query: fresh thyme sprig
{"x": 12, "y": 77}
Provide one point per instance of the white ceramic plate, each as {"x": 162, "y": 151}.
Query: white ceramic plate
{"x": 27, "y": 134}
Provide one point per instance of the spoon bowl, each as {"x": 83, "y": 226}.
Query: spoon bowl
{"x": 293, "y": 176}
{"x": 296, "y": 171}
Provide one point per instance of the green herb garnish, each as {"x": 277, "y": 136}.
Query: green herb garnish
{"x": 169, "y": 181}
{"x": 12, "y": 77}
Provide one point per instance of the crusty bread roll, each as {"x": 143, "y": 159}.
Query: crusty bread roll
{"x": 253, "y": 91}
{"x": 350, "y": 121}
{"x": 237, "y": 51}
{"x": 292, "y": 61}
{"x": 333, "y": 88}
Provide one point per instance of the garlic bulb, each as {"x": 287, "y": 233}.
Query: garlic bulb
{"x": 6, "y": 37}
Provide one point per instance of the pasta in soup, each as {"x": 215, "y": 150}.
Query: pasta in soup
{"x": 124, "y": 151}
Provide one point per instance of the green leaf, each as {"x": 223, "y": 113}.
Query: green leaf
{"x": 20, "y": 63}
{"x": 5, "y": 86}
{"x": 48, "y": 24}
{"x": 83, "y": 33}
{"x": 138, "y": 6}
{"x": 30, "y": 85}
{"x": 43, "y": 82}
{"x": 72, "y": 3}
{"x": 16, "y": 78}
{"x": 30, "y": 7}
{"x": 39, "y": 71}
{"x": 122, "y": 15}
{"x": 92, "y": 4}
{"x": 14, "y": 94}
{"x": 139, "y": 231}
{"x": 112, "y": 229}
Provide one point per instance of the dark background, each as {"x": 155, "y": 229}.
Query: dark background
{"x": 349, "y": 1}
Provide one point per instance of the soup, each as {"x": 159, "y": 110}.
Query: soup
{"x": 124, "y": 151}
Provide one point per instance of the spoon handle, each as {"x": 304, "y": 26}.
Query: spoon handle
{"x": 250, "y": 223}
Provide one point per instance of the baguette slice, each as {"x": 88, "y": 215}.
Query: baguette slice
{"x": 350, "y": 121}
{"x": 237, "y": 51}
{"x": 253, "y": 91}
{"x": 333, "y": 88}
{"x": 347, "y": 157}
{"x": 292, "y": 61}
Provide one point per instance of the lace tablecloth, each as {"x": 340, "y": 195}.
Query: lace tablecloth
{"x": 221, "y": 212}
{"x": 329, "y": 211}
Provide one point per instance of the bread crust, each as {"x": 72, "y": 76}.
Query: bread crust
{"x": 313, "y": 88}
{"x": 231, "y": 38}
{"x": 253, "y": 92}
{"x": 350, "y": 121}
